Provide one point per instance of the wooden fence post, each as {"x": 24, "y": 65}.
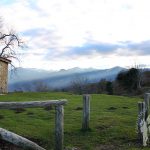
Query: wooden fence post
{"x": 140, "y": 119}
{"x": 146, "y": 100}
{"x": 86, "y": 112}
{"x": 59, "y": 127}
{"x": 142, "y": 124}
{"x": 147, "y": 103}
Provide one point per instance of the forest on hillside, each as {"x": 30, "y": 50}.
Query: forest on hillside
{"x": 129, "y": 82}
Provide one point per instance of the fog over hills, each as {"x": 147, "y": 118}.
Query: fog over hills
{"x": 25, "y": 78}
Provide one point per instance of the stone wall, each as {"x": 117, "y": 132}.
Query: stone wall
{"x": 3, "y": 76}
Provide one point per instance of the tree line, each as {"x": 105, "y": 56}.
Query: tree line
{"x": 133, "y": 81}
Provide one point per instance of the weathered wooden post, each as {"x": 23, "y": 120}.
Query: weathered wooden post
{"x": 140, "y": 120}
{"x": 142, "y": 124}
{"x": 59, "y": 127}
{"x": 18, "y": 140}
{"x": 86, "y": 112}
{"x": 146, "y": 100}
{"x": 147, "y": 116}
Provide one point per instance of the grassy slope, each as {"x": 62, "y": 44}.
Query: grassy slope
{"x": 113, "y": 121}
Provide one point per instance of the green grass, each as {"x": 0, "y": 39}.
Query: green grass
{"x": 113, "y": 121}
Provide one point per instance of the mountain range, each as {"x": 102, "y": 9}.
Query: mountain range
{"x": 25, "y": 79}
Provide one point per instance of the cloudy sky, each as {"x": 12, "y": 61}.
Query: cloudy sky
{"x": 80, "y": 33}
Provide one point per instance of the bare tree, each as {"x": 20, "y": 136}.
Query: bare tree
{"x": 79, "y": 85}
{"x": 40, "y": 86}
{"x": 9, "y": 41}
{"x": 141, "y": 70}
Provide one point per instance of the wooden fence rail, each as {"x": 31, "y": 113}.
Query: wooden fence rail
{"x": 18, "y": 140}
{"x": 32, "y": 104}
{"x": 25, "y": 143}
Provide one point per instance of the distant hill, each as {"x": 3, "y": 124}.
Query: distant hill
{"x": 25, "y": 78}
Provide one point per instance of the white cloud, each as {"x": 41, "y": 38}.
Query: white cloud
{"x": 72, "y": 23}
{"x": 96, "y": 61}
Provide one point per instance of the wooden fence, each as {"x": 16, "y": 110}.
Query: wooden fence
{"x": 143, "y": 123}
{"x": 144, "y": 120}
{"x": 25, "y": 143}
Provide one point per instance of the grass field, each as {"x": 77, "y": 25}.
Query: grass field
{"x": 113, "y": 121}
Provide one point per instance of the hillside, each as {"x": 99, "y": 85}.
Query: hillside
{"x": 113, "y": 121}
{"x": 23, "y": 79}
